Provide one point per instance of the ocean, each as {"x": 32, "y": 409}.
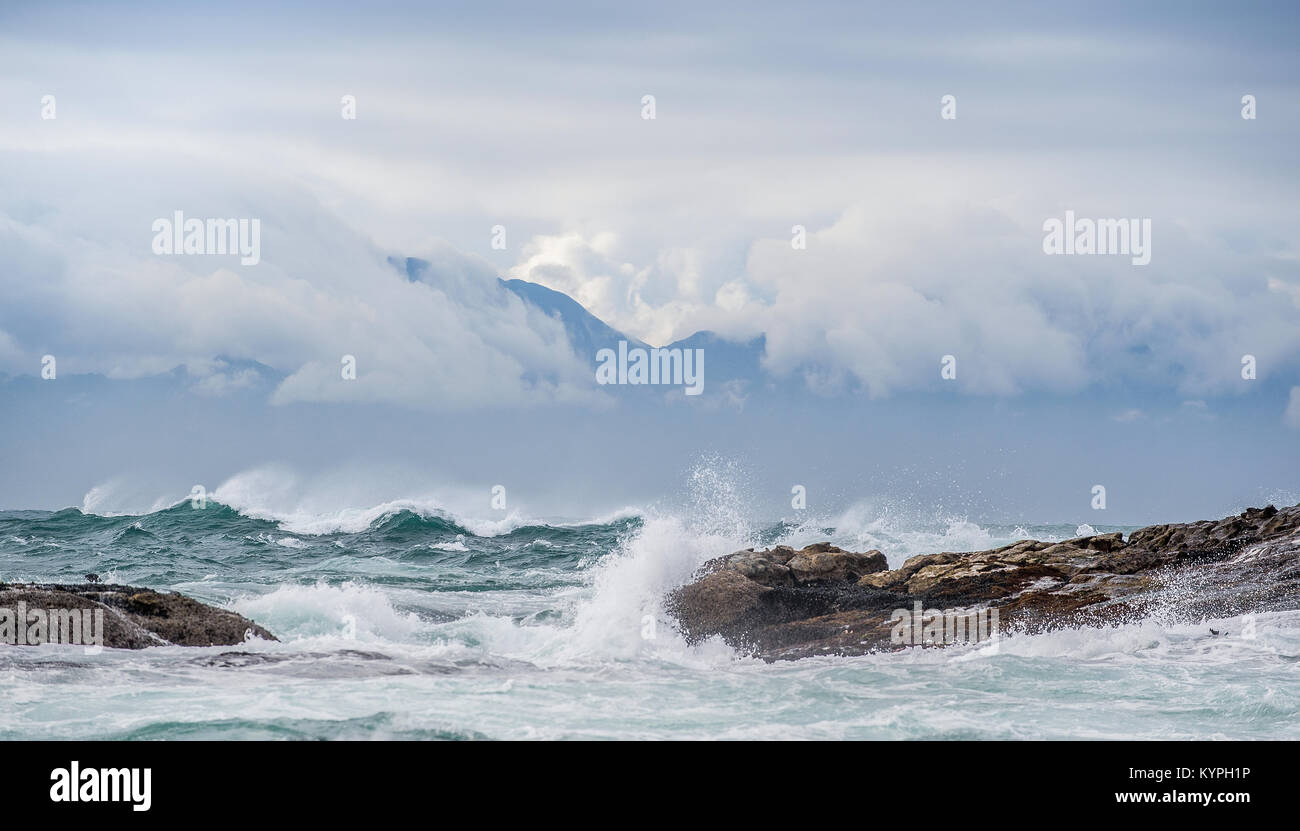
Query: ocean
{"x": 404, "y": 621}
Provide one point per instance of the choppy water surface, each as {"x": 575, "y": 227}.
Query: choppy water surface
{"x": 402, "y": 621}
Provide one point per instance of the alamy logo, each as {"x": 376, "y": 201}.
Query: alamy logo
{"x": 652, "y": 366}
{"x": 934, "y": 627}
{"x": 1130, "y": 237}
{"x": 21, "y": 626}
{"x": 179, "y": 235}
{"x": 73, "y": 784}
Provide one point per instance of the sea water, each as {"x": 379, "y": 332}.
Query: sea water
{"x": 402, "y": 620}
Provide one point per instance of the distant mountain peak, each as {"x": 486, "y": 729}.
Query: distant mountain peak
{"x": 726, "y": 359}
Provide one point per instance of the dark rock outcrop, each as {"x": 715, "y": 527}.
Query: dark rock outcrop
{"x": 781, "y": 603}
{"x": 135, "y": 618}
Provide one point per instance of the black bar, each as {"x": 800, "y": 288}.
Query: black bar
{"x": 351, "y": 779}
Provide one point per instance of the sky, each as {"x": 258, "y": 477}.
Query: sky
{"x": 924, "y": 235}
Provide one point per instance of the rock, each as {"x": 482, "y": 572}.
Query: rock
{"x": 767, "y": 568}
{"x": 826, "y": 562}
{"x": 135, "y": 618}
{"x": 721, "y": 602}
{"x": 782, "y": 604}
{"x": 740, "y": 593}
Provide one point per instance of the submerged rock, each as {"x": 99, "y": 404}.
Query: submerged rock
{"x": 781, "y": 603}
{"x": 132, "y": 618}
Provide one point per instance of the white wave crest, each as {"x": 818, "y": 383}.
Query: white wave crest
{"x": 350, "y": 611}
{"x": 313, "y": 508}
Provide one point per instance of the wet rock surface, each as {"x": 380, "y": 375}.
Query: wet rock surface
{"x": 781, "y": 603}
{"x": 134, "y": 618}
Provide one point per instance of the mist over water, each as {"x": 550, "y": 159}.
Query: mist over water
{"x": 405, "y": 619}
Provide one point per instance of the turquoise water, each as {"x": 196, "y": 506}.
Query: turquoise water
{"x": 402, "y": 621}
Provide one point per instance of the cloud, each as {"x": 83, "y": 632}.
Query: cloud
{"x": 10, "y": 353}
{"x": 874, "y": 296}
{"x": 82, "y": 283}
{"x": 923, "y": 234}
{"x": 886, "y": 288}
{"x": 666, "y": 299}
{"x": 223, "y": 382}
{"x": 1291, "y": 418}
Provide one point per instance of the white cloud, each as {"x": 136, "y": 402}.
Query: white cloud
{"x": 1291, "y": 418}
{"x": 222, "y": 382}
{"x": 82, "y": 283}
{"x": 889, "y": 286}
{"x": 923, "y": 235}
{"x": 10, "y": 353}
